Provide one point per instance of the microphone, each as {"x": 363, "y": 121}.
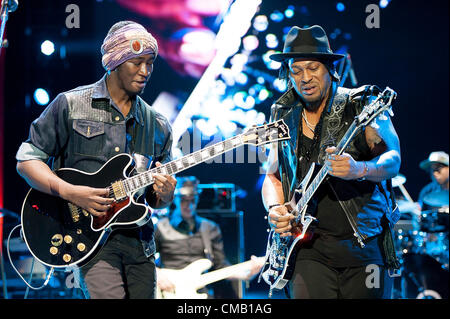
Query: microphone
{"x": 12, "y": 5}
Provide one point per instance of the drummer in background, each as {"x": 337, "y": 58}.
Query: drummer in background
{"x": 437, "y": 166}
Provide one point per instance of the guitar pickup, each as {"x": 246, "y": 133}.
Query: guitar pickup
{"x": 119, "y": 191}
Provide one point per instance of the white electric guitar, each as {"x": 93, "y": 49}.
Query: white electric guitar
{"x": 191, "y": 278}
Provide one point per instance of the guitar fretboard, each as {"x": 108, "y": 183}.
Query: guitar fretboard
{"x": 144, "y": 179}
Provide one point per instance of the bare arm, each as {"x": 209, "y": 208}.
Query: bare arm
{"x": 40, "y": 177}
{"x": 272, "y": 193}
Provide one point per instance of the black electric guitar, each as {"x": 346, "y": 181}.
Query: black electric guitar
{"x": 60, "y": 234}
{"x": 281, "y": 251}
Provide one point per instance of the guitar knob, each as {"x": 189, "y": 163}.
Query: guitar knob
{"x": 68, "y": 239}
{"x": 67, "y": 258}
{"x": 57, "y": 239}
{"x": 81, "y": 247}
{"x": 53, "y": 250}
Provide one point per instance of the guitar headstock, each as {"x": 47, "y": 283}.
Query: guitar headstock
{"x": 266, "y": 133}
{"x": 383, "y": 102}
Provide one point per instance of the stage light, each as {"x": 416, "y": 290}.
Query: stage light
{"x": 340, "y": 7}
{"x": 279, "y": 85}
{"x": 47, "y": 47}
{"x": 384, "y": 3}
{"x": 263, "y": 95}
{"x": 289, "y": 13}
{"x": 41, "y": 96}
{"x": 274, "y": 65}
{"x": 260, "y": 23}
{"x": 250, "y": 42}
{"x": 206, "y": 127}
{"x": 244, "y": 101}
{"x": 241, "y": 78}
{"x": 271, "y": 41}
{"x": 276, "y": 16}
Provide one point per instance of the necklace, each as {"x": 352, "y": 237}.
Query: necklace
{"x": 309, "y": 125}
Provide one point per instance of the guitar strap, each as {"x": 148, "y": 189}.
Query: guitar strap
{"x": 145, "y": 133}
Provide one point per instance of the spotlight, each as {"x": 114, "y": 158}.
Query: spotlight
{"x": 276, "y": 16}
{"x": 47, "y": 47}
{"x": 41, "y": 96}
{"x": 261, "y": 23}
{"x": 289, "y": 12}
{"x": 384, "y": 3}
{"x": 271, "y": 41}
{"x": 340, "y": 7}
{"x": 250, "y": 42}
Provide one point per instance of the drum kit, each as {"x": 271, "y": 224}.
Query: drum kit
{"x": 421, "y": 241}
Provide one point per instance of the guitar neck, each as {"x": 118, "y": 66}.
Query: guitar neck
{"x": 318, "y": 179}
{"x": 145, "y": 179}
{"x": 221, "y": 274}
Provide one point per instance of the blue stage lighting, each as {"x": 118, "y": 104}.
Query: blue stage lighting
{"x": 261, "y": 23}
{"x": 289, "y": 12}
{"x": 41, "y": 96}
{"x": 277, "y": 16}
{"x": 47, "y": 47}
{"x": 340, "y": 7}
{"x": 384, "y": 3}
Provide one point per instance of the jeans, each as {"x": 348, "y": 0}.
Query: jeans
{"x": 120, "y": 271}
{"x": 315, "y": 280}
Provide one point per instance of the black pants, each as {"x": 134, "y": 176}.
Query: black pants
{"x": 120, "y": 270}
{"x": 314, "y": 280}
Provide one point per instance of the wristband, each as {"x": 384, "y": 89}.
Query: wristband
{"x": 365, "y": 171}
{"x": 274, "y": 205}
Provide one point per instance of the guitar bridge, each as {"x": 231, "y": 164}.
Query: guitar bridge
{"x": 119, "y": 191}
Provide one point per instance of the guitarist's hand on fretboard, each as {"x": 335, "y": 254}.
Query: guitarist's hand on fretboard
{"x": 164, "y": 187}
{"x": 343, "y": 166}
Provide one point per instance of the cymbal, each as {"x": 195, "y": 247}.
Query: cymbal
{"x": 398, "y": 180}
{"x": 436, "y": 199}
{"x": 405, "y": 206}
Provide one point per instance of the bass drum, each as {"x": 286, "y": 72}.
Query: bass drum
{"x": 423, "y": 278}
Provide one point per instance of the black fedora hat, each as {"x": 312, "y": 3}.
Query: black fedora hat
{"x": 310, "y": 42}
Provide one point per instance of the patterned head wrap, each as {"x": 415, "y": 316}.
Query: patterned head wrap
{"x": 130, "y": 41}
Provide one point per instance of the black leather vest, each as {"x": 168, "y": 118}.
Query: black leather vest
{"x": 364, "y": 213}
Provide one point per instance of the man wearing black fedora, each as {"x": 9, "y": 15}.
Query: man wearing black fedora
{"x": 351, "y": 254}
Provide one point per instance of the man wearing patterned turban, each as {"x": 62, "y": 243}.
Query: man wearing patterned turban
{"x": 83, "y": 129}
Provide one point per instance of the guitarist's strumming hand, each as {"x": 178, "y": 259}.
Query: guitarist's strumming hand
{"x": 163, "y": 281}
{"x": 344, "y": 166}
{"x": 280, "y": 220}
{"x": 93, "y": 200}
